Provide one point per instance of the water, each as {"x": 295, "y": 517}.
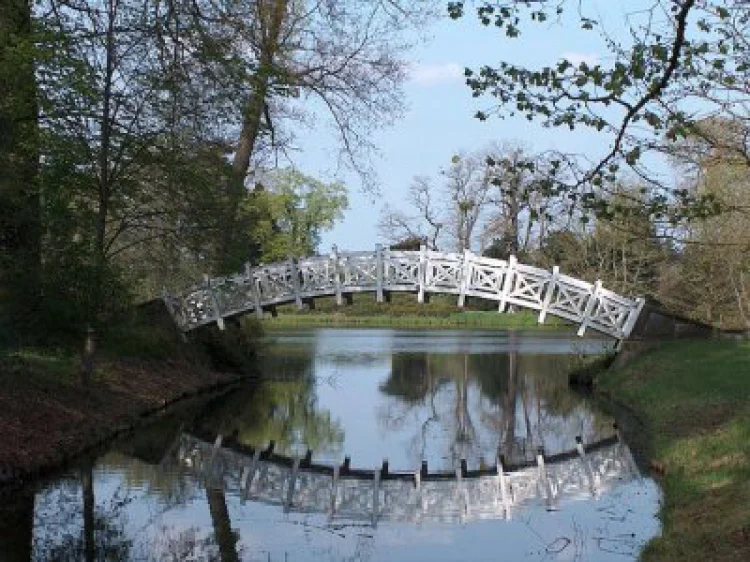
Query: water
{"x": 407, "y": 396}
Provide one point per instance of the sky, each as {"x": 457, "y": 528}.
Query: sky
{"x": 439, "y": 119}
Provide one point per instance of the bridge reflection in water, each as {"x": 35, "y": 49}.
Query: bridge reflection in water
{"x": 345, "y": 494}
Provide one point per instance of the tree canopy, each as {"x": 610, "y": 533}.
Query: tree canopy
{"x": 671, "y": 64}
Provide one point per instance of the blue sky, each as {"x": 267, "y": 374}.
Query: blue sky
{"x": 439, "y": 118}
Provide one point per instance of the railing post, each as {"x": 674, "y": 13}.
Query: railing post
{"x": 593, "y": 299}
{"x": 635, "y": 312}
{"x": 507, "y": 283}
{"x": 214, "y": 302}
{"x": 255, "y": 291}
{"x": 379, "y": 271}
{"x": 375, "y": 497}
{"x": 336, "y": 275}
{"x": 422, "y": 272}
{"x": 294, "y": 272}
{"x": 548, "y": 295}
{"x": 504, "y": 490}
{"x": 465, "y": 277}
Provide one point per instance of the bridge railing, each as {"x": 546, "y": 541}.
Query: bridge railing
{"x": 506, "y": 282}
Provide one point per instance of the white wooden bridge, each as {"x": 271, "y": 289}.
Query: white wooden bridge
{"x": 383, "y": 271}
{"x": 345, "y": 494}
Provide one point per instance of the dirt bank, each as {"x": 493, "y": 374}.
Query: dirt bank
{"x": 47, "y": 417}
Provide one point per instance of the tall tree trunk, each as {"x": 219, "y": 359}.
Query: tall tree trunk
{"x": 271, "y": 15}
{"x": 104, "y": 188}
{"x": 225, "y": 537}
{"x": 20, "y": 219}
{"x": 509, "y": 408}
{"x": 89, "y": 504}
{"x": 17, "y": 528}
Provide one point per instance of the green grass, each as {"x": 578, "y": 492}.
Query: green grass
{"x": 404, "y": 310}
{"x": 464, "y": 319}
{"x": 694, "y": 398}
{"x": 43, "y": 364}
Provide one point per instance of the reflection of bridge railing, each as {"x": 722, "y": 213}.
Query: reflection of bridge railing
{"x": 297, "y": 484}
{"x": 382, "y": 271}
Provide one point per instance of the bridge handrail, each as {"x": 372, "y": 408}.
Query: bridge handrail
{"x": 466, "y": 275}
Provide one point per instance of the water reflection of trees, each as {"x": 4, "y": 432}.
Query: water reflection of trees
{"x": 487, "y": 404}
{"x": 68, "y": 524}
{"x": 282, "y": 407}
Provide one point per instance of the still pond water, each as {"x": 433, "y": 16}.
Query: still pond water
{"x": 192, "y": 486}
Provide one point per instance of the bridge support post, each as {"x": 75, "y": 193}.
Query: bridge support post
{"x": 336, "y": 275}
{"x": 379, "y": 273}
{"x": 507, "y": 283}
{"x": 465, "y": 278}
{"x": 633, "y": 317}
{"x": 590, "y": 305}
{"x": 255, "y": 290}
{"x": 294, "y": 273}
{"x": 548, "y": 295}
{"x": 422, "y": 272}
{"x": 214, "y": 302}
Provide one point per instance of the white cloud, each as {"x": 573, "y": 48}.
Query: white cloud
{"x": 577, "y": 58}
{"x": 435, "y": 74}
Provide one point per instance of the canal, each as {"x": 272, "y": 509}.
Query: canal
{"x": 419, "y": 417}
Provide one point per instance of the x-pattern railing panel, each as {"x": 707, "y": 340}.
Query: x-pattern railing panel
{"x": 401, "y": 270}
{"x": 444, "y": 272}
{"x": 506, "y": 282}
{"x": 233, "y": 294}
{"x": 529, "y": 285}
{"x": 317, "y": 276}
{"x": 275, "y": 283}
{"x": 360, "y": 272}
{"x": 486, "y": 278}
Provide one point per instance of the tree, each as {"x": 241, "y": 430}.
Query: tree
{"x": 710, "y": 280}
{"x": 426, "y": 225}
{"x": 676, "y": 62}
{"x": 447, "y": 212}
{"x": 467, "y": 186}
{"x": 20, "y": 221}
{"x": 298, "y": 208}
{"x": 343, "y": 57}
{"x": 523, "y": 204}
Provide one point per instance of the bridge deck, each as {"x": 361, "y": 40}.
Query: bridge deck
{"x": 421, "y": 272}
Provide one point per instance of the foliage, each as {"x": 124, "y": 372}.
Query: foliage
{"x": 298, "y": 209}
{"x": 676, "y": 62}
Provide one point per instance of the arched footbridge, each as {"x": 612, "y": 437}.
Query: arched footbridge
{"x": 344, "y": 493}
{"x": 507, "y": 282}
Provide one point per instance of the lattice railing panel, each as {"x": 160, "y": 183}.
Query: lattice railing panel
{"x": 233, "y": 294}
{"x": 359, "y": 272}
{"x": 486, "y": 278}
{"x": 443, "y": 272}
{"x": 570, "y": 298}
{"x": 317, "y": 276}
{"x": 401, "y": 270}
{"x": 275, "y": 283}
{"x": 529, "y": 286}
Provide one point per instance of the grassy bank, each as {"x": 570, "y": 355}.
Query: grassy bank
{"x": 48, "y": 416}
{"x": 404, "y": 310}
{"x": 694, "y": 399}
{"x": 490, "y": 320}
